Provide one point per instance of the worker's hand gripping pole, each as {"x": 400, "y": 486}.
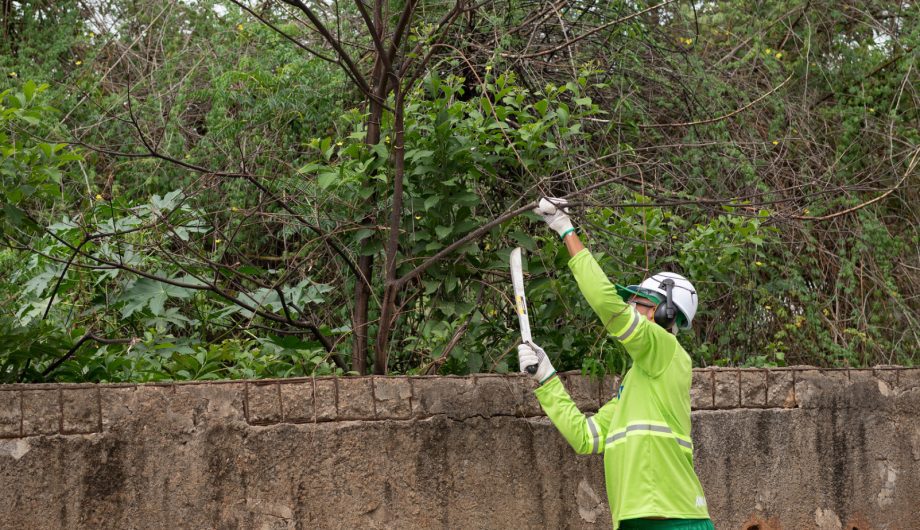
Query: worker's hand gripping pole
{"x": 520, "y": 300}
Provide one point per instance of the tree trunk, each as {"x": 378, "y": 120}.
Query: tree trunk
{"x": 391, "y": 291}
{"x": 379, "y": 82}
{"x": 6, "y": 20}
{"x": 365, "y": 263}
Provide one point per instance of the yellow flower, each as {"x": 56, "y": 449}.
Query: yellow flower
{"x": 758, "y": 263}
{"x": 217, "y": 241}
{"x": 13, "y": 74}
{"x": 91, "y": 34}
{"x": 689, "y": 41}
{"x": 775, "y": 142}
{"x": 418, "y": 217}
{"x": 768, "y": 308}
{"x": 779, "y": 55}
{"x": 78, "y": 62}
{"x": 98, "y": 196}
{"x": 806, "y": 211}
{"x": 768, "y": 51}
{"x": 239, "y": 27}
{"x": 387, "y": 139}
{"x": 871, "y": 109}
{"x": 234, "y": 209}
{"x": 488, "y": 68}
{"x": 340, "y": 143}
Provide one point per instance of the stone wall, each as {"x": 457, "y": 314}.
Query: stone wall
{"x": 786, "y": 448}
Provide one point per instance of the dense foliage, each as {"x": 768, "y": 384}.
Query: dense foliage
{"x": 206, "y": 189}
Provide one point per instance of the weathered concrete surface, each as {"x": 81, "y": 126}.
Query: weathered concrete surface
{"x": 794, "y": 448}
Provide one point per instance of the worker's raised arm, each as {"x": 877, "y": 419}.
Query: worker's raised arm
{"x": 650, "y": 346}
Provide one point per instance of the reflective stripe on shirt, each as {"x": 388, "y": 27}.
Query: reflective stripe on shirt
{"x": 629, "y": 328}
{"x": 650, "y": 429}
{"x": 595, "y": 436}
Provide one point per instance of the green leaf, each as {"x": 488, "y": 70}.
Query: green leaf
{"x": 524, "y": 240}
{"x": 380, "y": 150}
{"x": 432, "y": 200}
{"x": 541, "y": 106}
{"x": 150, "y": 293}
{"x": 431, "y": 286}
{"x": 363, "y": 233}
{"x": 327, "y": 178}
{"x": 563, "y": 112}
{"x": 15, "y": 216}
{"x": 466, "y": 198}
{"x": 29, "y": 89}
{"x": 474, "y": 362}
{"x": 310, "y": 168}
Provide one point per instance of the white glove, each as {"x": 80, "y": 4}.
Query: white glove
{"x": 530, "y": 354}
{"x": 554, "y": 212}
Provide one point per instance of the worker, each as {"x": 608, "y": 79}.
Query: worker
{"x": 643, "y": 432}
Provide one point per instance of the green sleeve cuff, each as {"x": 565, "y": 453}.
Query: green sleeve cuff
{"x": 582, "y": 255}
{"x": 549, "y": 388}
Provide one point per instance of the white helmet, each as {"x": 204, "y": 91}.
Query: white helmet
{"x": 683, "y": 295}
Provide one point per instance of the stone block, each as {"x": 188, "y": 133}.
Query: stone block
{"x": 164, "y": 411}
{"x": 727, "y": 390}
{"x": 860, "y": 375}
{"x": 209, "y": 402}
{"x": 701, "y": 390}
{"x": 10, "y": 413}
{"x": 501, "y": 396}
{"x": 455, "y": 397}
{"x": 263, "y": 403}
{"x": 117, "y": 406}
{"x": 80, "y": 408}
{"x": 908, "y": 379}
{"x": 780, "y": 389}
{"x": 817, "y": 388}
{"x": 585, "y": 390}
{"x": 356, "y": 398}
{"x": 529, "y": 405}
{"x": 393, "y": 398}
{"x": 297, "y": 401}
{"x": 888, "y": 379}
{"x": 753, "y": 388}
{"x": 41, "y": 412}
{"x": 324, "y": 399}
{"x": 808, "y": 387}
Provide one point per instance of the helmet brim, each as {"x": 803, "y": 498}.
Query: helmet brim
{"x": 628, "y": 291}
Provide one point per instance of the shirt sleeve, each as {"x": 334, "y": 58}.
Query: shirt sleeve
{"x": 586, "y": 434}
{"x": 651, "y": 347}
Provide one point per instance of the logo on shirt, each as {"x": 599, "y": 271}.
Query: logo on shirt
{"x": 700, "y": 502}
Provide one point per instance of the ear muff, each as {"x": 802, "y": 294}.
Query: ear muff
{"x": 666, "y": 313}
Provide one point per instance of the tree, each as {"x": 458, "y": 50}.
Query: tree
{"x": 305, "y": 178}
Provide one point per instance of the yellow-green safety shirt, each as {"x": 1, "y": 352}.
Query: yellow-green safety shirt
{"x": 644, "y": 432}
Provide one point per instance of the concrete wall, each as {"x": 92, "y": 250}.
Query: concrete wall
{"x": 791, "y": 448}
